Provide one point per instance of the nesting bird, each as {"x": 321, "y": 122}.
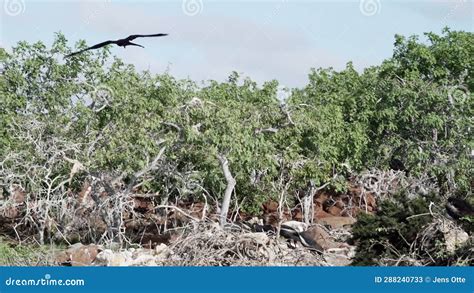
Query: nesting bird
{"x": 298, "y": 231}
{"x": 458, "y": 208}
{"x": 397, "y": 165}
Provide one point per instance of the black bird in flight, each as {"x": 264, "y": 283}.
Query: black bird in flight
{"x": 122, "y": 42}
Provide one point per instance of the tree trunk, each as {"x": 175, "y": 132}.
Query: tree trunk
{"x": 228, "y": 191}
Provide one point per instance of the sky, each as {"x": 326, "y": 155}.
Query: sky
{"x": 264, "y": 40}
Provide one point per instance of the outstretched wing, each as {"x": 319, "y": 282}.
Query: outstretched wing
{"x": 133, "y": 37}
{"x": 100, "y": 45}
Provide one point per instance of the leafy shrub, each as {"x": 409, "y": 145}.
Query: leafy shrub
{"x": 404, "y": 232}
{"x": 416, "y": 106}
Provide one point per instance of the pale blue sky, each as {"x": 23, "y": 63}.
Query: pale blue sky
{"x": 262, "y": 39}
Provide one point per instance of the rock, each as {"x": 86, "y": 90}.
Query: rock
{"x": 339, "y": 256}
{"x": 115, "y": 246}
{"x": 84, "y": 256}
{"x": 76, "y": 246}
{"x": 334, "y": 210}
{"x": 61, "y": 258}
{"x": 317, "y": 237}
{"x": 134, "y": 257}
{"x": 79, "y": 255}
{"x": 162, "y": 251}
{"x": 143, "y": 259}
{"x": 455, "y": 238}
{"x": 113, "y": 259}
{"x": 297, "y": 215}
{"x": 104, "y": 257}
{"x": 341, "y": 235}
{"x": 340, "y": 204}
{"x": 270, "y": 206}
{"x": 274, "y": 218}
{"x": 336, "y": 222}
{"x": 319, "y": 213}
{"x": 321, "y": 198}
{"x": 352, "y": 212}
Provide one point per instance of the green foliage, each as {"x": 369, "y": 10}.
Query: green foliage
{"x": 402, "y": 230}
{"x": 377, "y": 236}
{"x": 424, "y": 100}
{"x": 445, "y": 59}
{"x": 18, "y": 255}
{"x": 417, "y": 105}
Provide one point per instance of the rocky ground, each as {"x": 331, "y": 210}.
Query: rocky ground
{"x": 250, "y": 241}
{"x": 209, "y": 244}
{"x": 314, "y": 232}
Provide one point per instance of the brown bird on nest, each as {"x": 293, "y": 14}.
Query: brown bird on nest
{"x": 122, "y": 43}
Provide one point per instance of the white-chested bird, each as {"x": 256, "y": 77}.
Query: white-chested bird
{"x": 122, "y": 43}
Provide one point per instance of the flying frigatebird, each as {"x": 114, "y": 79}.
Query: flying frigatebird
{"x": 122, "y": 42}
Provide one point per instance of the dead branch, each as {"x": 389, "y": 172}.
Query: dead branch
{"x": 76, "y": 167}
{"x": 228, "y": 191}
{"x": 177, "y": 209}
{"x": 150, "y": 167}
